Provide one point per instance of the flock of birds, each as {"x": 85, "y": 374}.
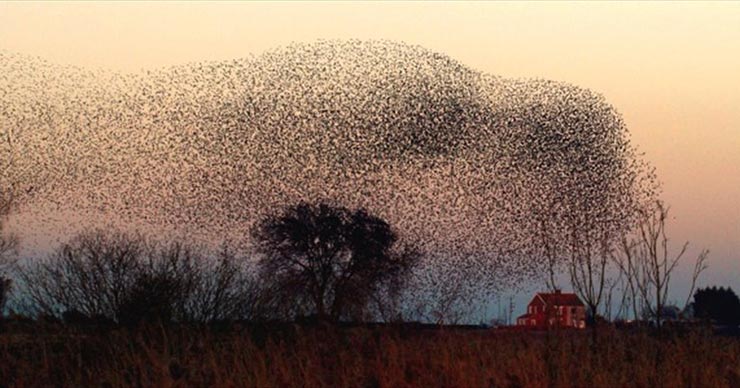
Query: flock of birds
{"x": 474, "y": 168}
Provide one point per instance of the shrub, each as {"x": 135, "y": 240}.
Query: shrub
{"x": 128, "y": 278}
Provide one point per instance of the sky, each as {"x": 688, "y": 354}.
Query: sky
{"x": 671, "y": 70}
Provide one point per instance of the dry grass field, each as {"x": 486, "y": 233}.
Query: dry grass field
{"x": 283, "y": 355}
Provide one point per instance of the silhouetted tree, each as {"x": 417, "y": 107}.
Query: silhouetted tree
{"x": 228, "y": 289}
{"x": 8, "y": 244}
{"x": 5, "y": 285}
{"x": 75, "y": 317}
{"x": 128, "y": 278}
{"x": 91, "y": 274}
{"x": 329, "y": 260}
{"x": 647, "y": 263}
{"x": 153, "y": 298}
{"x": 720, "y": 305}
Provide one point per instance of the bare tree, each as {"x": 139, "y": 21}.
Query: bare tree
{"x": 446, "y": 302}
{"x": 623, "y": 257}
{"x": 129, "y": 278}
{"x": 91, "y": 274}
{"x": 549, "y": 251}
{"x": 8, "y": 242}
{"x": 648, "y": 264}
{"x": 227, "y": 290}
{"x": 587, "y": 267}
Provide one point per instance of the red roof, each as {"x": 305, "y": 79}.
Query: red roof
{"x": 537, "y": 316}
{"x": 560, "y": 299}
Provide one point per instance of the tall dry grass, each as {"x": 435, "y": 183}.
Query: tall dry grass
{"x": 289, "y": 355}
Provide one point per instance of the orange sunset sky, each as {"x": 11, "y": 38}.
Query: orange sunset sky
{"x": 671, "y": 69}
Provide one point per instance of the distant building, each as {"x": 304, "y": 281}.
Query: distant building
{"x": 554, "y": 309}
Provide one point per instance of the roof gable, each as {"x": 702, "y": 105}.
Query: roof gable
{"x": 537, "y": 301}
{"x": 559, "y": 299}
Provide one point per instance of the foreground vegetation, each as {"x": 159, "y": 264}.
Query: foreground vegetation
{"x": 52, "y": 354}
{"x": 117, "y": 309}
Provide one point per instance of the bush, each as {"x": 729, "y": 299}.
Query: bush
{"x": 5, "y": 285}
{"x": 129, "y": 279}
{"x": 720, "y": 305}
{"x": 152, "y": 299}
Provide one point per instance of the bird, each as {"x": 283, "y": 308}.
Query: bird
{"x": 467, "y": 164}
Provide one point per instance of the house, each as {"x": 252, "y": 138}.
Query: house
{"x": 554, "y": 309}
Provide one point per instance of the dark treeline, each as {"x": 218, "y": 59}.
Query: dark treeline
{"x": 720, "y": 305}
{"x": 310, "y": 261}
{"x": 125, "y": 278}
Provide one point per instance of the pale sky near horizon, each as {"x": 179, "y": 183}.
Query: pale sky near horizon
{"x": 671, "y": 69}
